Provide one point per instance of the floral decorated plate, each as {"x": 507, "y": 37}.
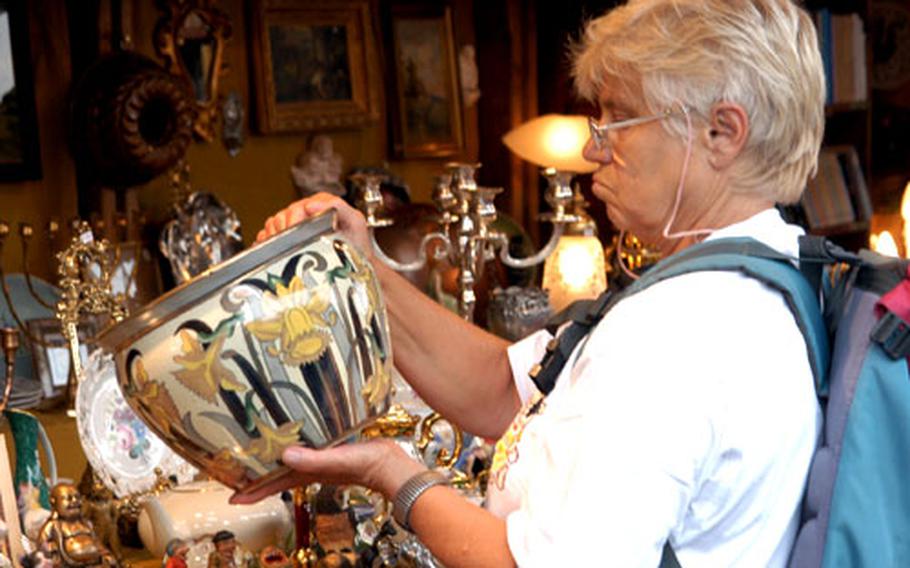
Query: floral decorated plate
{"x": 119, "y": 446}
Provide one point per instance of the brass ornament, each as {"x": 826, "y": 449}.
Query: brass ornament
{"x": 190, "y": 36}
{"x": 83, "y": 293}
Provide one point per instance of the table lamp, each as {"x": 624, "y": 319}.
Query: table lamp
{"x": 576, "y": 269}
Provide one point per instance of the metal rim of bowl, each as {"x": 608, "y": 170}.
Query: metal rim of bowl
{"x": 188, "y": 294}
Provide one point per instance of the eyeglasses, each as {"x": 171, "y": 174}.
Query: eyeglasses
{"x": 599, "y": 132}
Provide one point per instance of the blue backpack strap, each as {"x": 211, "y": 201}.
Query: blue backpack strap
{"x": 765, "y": 264}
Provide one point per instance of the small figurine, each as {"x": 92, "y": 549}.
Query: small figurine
{"x": 177, "y": 550}
{"x": 318, "y": 169}
{"x": 225, "y": 548}
{"x": 68, "y": 537}
{"x": 273, "y": 557}
{"x": 232, "y": 123}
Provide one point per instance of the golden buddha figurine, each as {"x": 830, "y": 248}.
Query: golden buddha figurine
{"x": 67, "y": 536}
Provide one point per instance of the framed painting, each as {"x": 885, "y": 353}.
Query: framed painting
{"x": 312, "y": 65}
{"x": 427, "y": 119}
{"x": 19, "y": 158}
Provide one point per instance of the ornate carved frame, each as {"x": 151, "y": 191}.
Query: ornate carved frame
{"x": 363, "y": 105}
{"x": 168, "y": 39}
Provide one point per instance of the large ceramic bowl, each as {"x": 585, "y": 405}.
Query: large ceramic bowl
{"x": 286, "y": 343}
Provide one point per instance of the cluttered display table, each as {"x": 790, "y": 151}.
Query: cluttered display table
{"x": 176, "y": 404}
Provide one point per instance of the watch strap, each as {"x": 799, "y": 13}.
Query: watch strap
{"x": 412, "y": 489}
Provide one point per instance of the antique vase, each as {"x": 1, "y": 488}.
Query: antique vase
{"x": 286, "y": 343}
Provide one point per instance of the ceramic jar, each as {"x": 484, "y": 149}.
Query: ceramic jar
{"x": 200, "y": 508}
{"x": 285, "y": 343}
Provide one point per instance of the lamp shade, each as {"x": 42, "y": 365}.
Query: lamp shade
{"x": 552, "y": 141}
{"x": 575, "y": 271}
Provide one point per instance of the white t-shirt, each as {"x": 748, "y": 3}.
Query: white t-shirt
{"x": 690, "y": 413}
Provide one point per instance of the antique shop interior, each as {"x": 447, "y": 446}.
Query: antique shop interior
{"x": 146, "y": 141}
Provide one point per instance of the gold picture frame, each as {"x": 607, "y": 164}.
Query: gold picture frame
{"x": 314, "y": 65}
{"x": 428, "y": 121}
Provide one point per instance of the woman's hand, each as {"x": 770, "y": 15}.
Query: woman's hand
{"x": 377, "y": 464}
{"x": 348, "y": 220}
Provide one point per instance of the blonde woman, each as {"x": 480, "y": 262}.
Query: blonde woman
{"x": 671, "y": 423}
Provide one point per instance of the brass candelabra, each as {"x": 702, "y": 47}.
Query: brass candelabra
{"x": 85, "y": 267}
{"x": 84, "y": 293}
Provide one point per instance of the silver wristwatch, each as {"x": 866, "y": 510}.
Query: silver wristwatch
{"x": 410, "y": 491}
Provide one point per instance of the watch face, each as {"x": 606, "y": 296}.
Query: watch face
{"x": 118, "y": 445}
{"x": 890, "y": 45}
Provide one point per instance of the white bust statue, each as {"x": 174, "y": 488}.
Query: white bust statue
{"x": 318, "y": 169}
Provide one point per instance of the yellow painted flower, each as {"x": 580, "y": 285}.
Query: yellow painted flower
{"x": 378, "y": 385}
{"x": 363, "y": 275}
{"x": 302, "y": 331}
{"x": 225, "y": 467}
{"x": 155, "y": 397}
{"x": 202, "y": 372}
{"x": 272, "y": 441}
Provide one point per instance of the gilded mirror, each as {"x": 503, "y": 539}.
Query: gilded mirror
{"x": 190, "y": 36}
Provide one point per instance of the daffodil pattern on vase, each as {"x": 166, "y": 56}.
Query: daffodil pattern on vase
{"x": 297, "y": 321}
{"x": 154, "y": 396}
{"x": 268, "y": 447}
{"x": 201, "y": 369}
{"x": 297, "y": 352}
{"x": 378, "y": 385}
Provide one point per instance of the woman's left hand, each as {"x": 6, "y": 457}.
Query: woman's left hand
{"x": 378, "y": 464}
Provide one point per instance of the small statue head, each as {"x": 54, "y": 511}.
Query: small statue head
{"x": 322, "y": 146}
{"x": 224, "y": 542}
{"x": 177, "y": 547}
{"x": 66, "y": 501}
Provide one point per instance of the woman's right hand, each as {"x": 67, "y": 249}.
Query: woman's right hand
{"x": 348, "y": 221}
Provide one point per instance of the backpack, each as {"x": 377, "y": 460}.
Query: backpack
{"x": 853, "y": 311}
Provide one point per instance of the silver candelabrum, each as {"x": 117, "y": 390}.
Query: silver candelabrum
{"x": 466, "y": 212}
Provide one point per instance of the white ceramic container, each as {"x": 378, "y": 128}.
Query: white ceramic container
{"x": 285, "y": 343}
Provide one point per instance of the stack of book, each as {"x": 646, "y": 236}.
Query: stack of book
{"x": 842, "y": 41}
{"x": 837, "y": 195}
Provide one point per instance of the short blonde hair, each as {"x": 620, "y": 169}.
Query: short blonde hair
{"x": 760, "y": 54}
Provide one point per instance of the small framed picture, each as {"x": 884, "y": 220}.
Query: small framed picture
{"x": 51, "y": 361}
{"x": 314, "y": 65}
{"x": 427, "y": 103}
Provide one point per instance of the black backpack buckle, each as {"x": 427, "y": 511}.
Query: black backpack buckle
{"x": 893, "y": 334}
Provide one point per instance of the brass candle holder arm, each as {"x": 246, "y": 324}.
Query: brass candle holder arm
{"x": 10, "y": 338}
{"x": 7, "y": 295}
{"x": 26, "y": 232}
